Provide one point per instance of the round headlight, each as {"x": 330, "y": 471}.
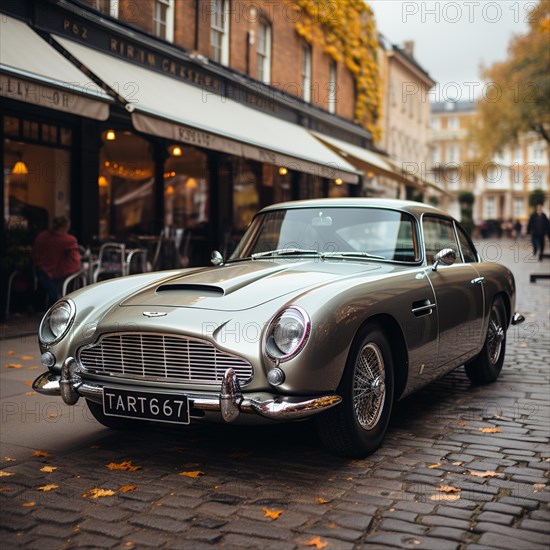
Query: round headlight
{"x": 57, "y": 321}
{"x": 287, "y": 333}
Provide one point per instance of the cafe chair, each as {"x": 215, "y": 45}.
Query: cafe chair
{"x": 111, "y": 261}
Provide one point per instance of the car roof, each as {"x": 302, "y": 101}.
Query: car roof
{"x": 411, "y": 207}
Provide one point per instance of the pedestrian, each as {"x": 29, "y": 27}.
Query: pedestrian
{"x": 517, "y": 229}
{"x": 55, "y": 256}
{"x": 538, "y": 227}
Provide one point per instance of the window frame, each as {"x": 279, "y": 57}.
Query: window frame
{"x": 332, "y": 98}
{"x": 452, "y": 221}
{"x": 221, "y": 6}
{"x": 307, "y": 71}
{"x": 460, "y": 230}
{"x": 263, "y": 58}
{"x": 168, "y": 24}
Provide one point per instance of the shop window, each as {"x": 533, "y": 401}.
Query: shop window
{"x": 337, "y": 189}
{"x": 185, "y": 188}
{"x": 246, "y": 192}
{"x": 219, "y": 31}
{"x": 126, "y": 186}
{"x": 263, "y": 53}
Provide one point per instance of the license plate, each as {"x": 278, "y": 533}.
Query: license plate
{"x": 159, "y": 407}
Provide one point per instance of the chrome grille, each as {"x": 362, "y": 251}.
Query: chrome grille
{"x": 161, "y": 356}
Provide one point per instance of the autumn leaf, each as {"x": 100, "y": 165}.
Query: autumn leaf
{"x": 448, "y": 489}
{"x": 127, "y": 488}
{"x": 196, "y": 473}
{"x": 98, "y": 493}
{"x": 13, "y": 366}
{"x": 9, "y": 459}
{"x": 349, "y": 479}
{"x": 53, "y": 415}
{"x": 434, "y": 465}
{"x": 321, "y": 501}
{"x": 30, "y": 393}
{"x": 2, "y": 489}
{"x": 488, "y": 473}
{"x": 445, "y": 497}
{"x": 273, "y": 514}
{"x": 28, "y": 504}
{"x": 126, "y": 465}
{"x": 28, "y": 383}
{"x": 539, "y": 485}
{"x": 5, "y": 474}
{"x": 27, "y": 357}
{"x": 318, "y": 543}
{"x": 48, "y": 469}
{"x": 48, "y": 487}
{"x": 40, "y": 453}
{"x": 490, "y": 430}
{"x": 10, "y": 353}
{"x": 462, "y": 423}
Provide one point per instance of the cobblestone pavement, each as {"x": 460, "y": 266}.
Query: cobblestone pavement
{"x": 389, "y": 499}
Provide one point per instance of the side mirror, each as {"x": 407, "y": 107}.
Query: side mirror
{"x": 216, "y": 258}
{"x": 447, "y": 256}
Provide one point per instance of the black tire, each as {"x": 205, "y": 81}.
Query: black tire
{"x": 356, "y": 427}
{"x": 486, "y": 367}
{"x": 112, "y": 422}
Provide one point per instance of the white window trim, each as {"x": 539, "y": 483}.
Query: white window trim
{"x": 224, "y": 60}
{"x": 113, "y": 8}
{"x": 169, "y": 18}
{"x": 306, "y": 72}
{"x": 267, "y": 53}
{"x": 332, "y": 87}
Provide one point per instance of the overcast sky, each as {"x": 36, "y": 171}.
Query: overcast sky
{"x": 453, "y": 38}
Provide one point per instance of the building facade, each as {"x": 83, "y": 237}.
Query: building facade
{"x": 501, "y": 187}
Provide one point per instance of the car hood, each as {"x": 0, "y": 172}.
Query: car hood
{"x": 244, "y": 285}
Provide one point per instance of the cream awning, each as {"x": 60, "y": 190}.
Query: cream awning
{"x": 34, "y": 72}
{"x": 164, "y": 106}
{"x": 367, "y": 160}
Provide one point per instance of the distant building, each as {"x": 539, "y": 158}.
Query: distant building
{"x": 502, "y": 187}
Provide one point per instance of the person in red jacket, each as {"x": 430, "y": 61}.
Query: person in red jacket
{"x": 55, "y": 256}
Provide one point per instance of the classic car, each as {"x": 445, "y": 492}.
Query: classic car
{"x": 331, "y": 309}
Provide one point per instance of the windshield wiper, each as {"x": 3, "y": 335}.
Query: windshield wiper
{"x": 351, "y": 255}
{"x": 283, "y": 252}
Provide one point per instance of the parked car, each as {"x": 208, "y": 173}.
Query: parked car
{"x": 330, "y": 308}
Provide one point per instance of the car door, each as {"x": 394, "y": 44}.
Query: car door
{"x": 458, "y": 292}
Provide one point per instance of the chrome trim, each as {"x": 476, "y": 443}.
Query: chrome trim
{"x": 69, "y": 382}
{"x": 424, "y": 308}
{"x": 446, "y": 256}
{"x": 276, "y": 407}
{"x": 477, "y": 280}
{"x": 190, "y": 360}
{"x": 303, "y": 340}
{"x": 517, "y": 319}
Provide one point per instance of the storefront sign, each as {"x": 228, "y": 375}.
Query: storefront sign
{"x": 39, "y": 94}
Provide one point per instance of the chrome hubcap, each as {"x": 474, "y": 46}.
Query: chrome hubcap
{"x": 369, "y": 388}
{"x": 495, "y": 336}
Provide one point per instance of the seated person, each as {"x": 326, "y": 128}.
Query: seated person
{"x": 55, "y": 256}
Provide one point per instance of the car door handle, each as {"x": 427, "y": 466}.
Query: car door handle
{"x": 478, "y": 280}
{"x": 423, "y": 307}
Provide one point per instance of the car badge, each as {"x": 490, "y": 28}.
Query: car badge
{"x": 154, "y": 313}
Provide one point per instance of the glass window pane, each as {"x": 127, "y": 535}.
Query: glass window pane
{"x": 438, "y": 234}
{"x": 11, "y": 126}
{"x": 468, "y": 250}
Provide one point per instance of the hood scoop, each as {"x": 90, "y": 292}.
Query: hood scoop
{"x": 192, "y": 289}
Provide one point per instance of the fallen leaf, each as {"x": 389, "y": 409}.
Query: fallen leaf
{"x": 13, "y": 366}
{"x": 457, "y": 463}
{"x": 129, "y": 544}
{"x": 98, "y": 493}
{"x": 349, "y": 479}
{"x": 53, "y": 415}
{"x": 273, "y": 514}
{"x": 321, "y": 501}
{"x": 126, "y": 465}
{"x": 5, "y": 474}
{"x": 196, "y": 473}
{"x": 435, "y": 465}
{"x": 30, "y": 393}
{"x": 40, "y": 453}
{"x": 9, "y": 459}
{"x": 445, "y": 497}
{"x": 448, "y": 489}
{"x": 127, "y": 488}
{"x": 2, "y": 489}
{"x": 27, "y": 357}
{"x": 28, "y": 383}
{"x": 462, "y": 423}
{"x": 539, "y": 485}
{"x": 490, "y": 430}
{"x": 332, "y": 525}
{"x": 34, "y": 367}
{"x": 48, "y": 487}
{"x": 48, "y": 469}
{"x": 28, "y": 504}
{"x": 488, "y": 473}
{"x": 10, "y": 353}
{"x": 318, "y": 543}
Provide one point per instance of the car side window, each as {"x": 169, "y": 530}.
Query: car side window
{"x": 468, "y": 250}
{"x": 438, "y": 234}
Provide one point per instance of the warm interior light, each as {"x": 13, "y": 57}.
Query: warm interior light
{"x": 370, "y": 175}
{"x": 170, "y": 190}
{"x": 283, "y": 170}
{"x": 20, "y": 168}
{"x": 338, "y": 181}
{"x": 191, "y": 183}
{"x": 176, "y": 151}
{"x": 102, "y": 181}
{"x": 110, "y": 135}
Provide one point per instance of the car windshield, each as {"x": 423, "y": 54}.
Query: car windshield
{"x": 336, "y": 232}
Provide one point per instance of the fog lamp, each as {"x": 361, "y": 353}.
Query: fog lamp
{"x": 47, "y": 359}
{"x": 276, "y": 376}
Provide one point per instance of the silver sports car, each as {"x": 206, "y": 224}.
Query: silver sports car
{"x": 330, "y": 308}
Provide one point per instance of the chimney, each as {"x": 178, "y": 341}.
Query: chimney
{"x": 409, "y": 47}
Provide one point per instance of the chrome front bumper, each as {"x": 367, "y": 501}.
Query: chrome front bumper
{"x": 230, "y": 402}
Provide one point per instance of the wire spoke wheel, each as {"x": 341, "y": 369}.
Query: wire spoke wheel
{"x": 495, "y": 336}
{"x": 369, "y": 388}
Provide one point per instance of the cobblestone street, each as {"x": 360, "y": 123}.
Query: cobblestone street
{"x": 438, "y": 481}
